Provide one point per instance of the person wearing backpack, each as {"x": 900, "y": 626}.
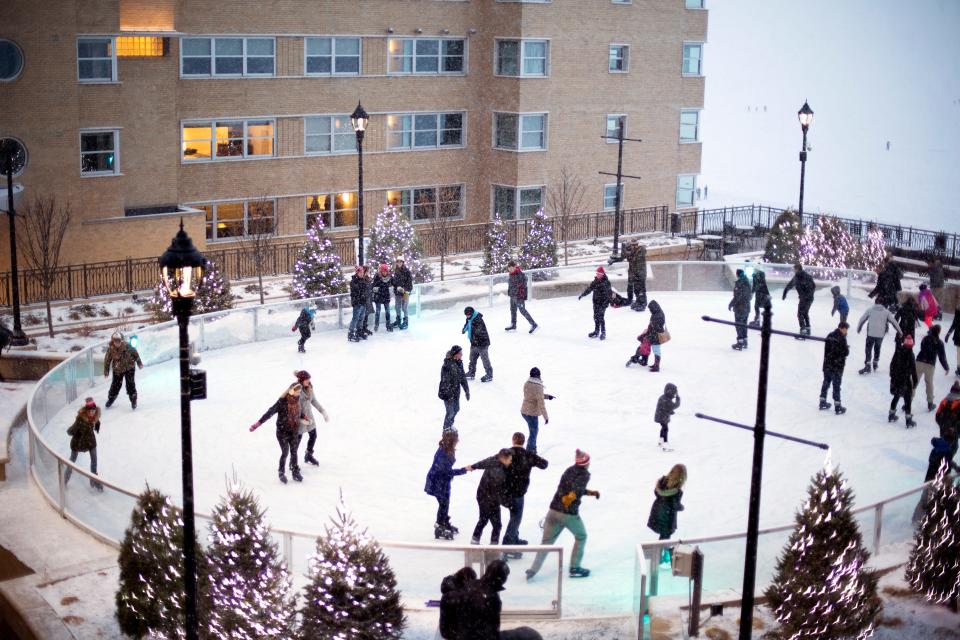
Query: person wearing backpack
{"x": 517, "y": 292}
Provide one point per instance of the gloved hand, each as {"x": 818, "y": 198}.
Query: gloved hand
{"x": 547, "y": 396}
{"x": 784, "y": 296}
{"x": 255, "y": 426}
{"x": 467, "y": 394}
{"x": 580, "y": 297}
{"x": 293, "y": 328}
{"x": 96, "y": 427}
{"x": 730, "y": 307}
{"x": 546, "y": 421}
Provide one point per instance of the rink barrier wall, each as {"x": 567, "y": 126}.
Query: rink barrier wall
{"x": 106, "y": 516}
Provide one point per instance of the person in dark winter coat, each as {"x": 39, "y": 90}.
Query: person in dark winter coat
{"x": 288, "y": 412}
{"x": 937, "y": 282}
{"x": 667, "y": 502}
{"x": 839, "y": 304}
{"x": 438, "y": 481}
{"x": 516, "y": 485}
{"x": 83, "y": 439}
{"x": 5, "y": 337}
{"x": 470, "y": 609}
{"x": 877, "y": 318}
{"x": 931, "y": 349}
{"x": 368, "y": 274}
{"x": 941, "y": 453}
{"x": 454, "y": 604}
{"x": 761, "y": 296}
{"x": 452, "y": 379}
{"x": 381, "y": 296}
{"x": 517, "y": 292}
{"x": 308, "y": 425}
{"x": 835, "y": 352}
{"x": 402, "y": 287}
{"x": 125, "y": 360}
{"x": 903, "y": 380}
{"x": 888, "y": 284}
{"x": 806, "y": 287}
{"x": 955, "y": 330}
{"x": 948, "y": 417}
{"x": 358, "y": 305}
{"x": 491, "y": 493}
{"x": 908, "y": 316}
{"x": 654, "y": 332}
{"x": 740, "y": 305}
{"x": 636, "y": 256}
{"x": 304, "y": 323}
{"x": 476, "y": 330}
{"x": 668, "y": 403}
{"x": 564, "y": 513}
{"x": 602, "y": 296}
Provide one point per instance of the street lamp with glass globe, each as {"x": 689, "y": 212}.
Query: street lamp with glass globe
{"x": 359, "y": 119}
{"x": 805, "y": 115}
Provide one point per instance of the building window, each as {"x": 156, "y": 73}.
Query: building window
{"x": 337, "y": 56}
{"x": 517, "y": 203}
{"x": 141, "y": 47}
{"x": 325, "y": 135}
{"x": 96, "y": 60}
{"x": 228, "y": 220}
{"x": 610, "y": 196}
{"x": 692, "y": 59}
{"x": 11, "y": 60}
{"x": 690, "y": 125}
{"x": 686, "y": 187}
{"x": 694, "y": 4}
{"x": 337, "y": 210}
{"x": 616, "y": 123}
{"x": 227, "y": 139}
{"x": 425, "y": 203}
{"x": 523, "y": 58}
{"x": 227, "y": 56}
{"x": 425, "y": 55}
{"x": 424, "y": 130}
{"x": 100, "y": 153}
{"x": 520, "y": 132}
{"x": 619, "y": 58}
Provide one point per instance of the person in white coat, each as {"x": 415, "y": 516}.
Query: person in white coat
{"x": 876, "y": 318}
{"x": 308, "y": 425}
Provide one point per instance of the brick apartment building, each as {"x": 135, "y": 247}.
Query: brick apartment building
{"x": 238, "y": 111}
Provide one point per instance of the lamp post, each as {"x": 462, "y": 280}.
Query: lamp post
{"x": 181, "y": 268}
{"x": 359, "y": 120}
{"x": 805, "y": 115}
{"x": 617, "y": 204}
{"x": 13, "y": 159}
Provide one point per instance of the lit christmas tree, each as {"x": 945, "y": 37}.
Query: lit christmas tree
{"x": 873, "y": 250}
{"x": 392, "y": 235}
{"x": 150, "y": 598}
{"x": 496, "y": 251}
{"x": 317, "y": 271}
{"x": 934, "y": 566}
{"x": 213, "y": 294}
{"x": 783, "y": 241}
{"x": 829, "y": 244}
{"x": 539, "y": 250}
{"x": 352, "y": 594}
{"x": 822, "y": 588}
{"x": 250, "y": 589}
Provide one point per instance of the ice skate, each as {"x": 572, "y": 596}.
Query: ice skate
{"x": 593, "y": 334}
{"x": 133, "y": 402}
{"x": 579, "y": 572}
{"x": 931, "y": 406}
{"x": 530, "y": 573}
{"x": 487, "y": 378}
{"x": 824, "y": 405}
{"x": 533, "y": 327}
{"x": 440, "y": 532}
{"x": 866, "y": 369}
{"x": 309, "y": 459}
{"x": 630, "y": 362}
{"x": 512, "y": 327}
{"x": 511, "y": 555}
{"x": 839, "y": 409}
{"x": 738, "y": 345}
{"x": 910, "y": 424}
{"x": 110, "y": 401}
{"x": 755, "y": 323}
{"x": 295, "y": 472}
{"x": 283, "y": 477}
{"x": 603, "y": 335}
{"x": 874, "y": 365}
{"x": 892, "y": 416}
{"x": 452, "y": 528}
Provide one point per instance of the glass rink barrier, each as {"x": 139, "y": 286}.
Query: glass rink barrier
{"x": 419, "y": 567}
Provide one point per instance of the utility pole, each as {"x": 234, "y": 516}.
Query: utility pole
{"x": 620, "y": 176}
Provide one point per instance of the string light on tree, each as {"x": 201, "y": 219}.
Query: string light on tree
{"x": 393, "y": 236}
{"x": 317, "y": 270}
{"x": 783, "y": 241}
{"x": 213, "y": 294}
{"x": 496, "y": 251}
{"x": 829, "y": 244}
{"x": 539, "y": 250}
{"x": 873, "y": 250}
{"x": 934, "y": 566}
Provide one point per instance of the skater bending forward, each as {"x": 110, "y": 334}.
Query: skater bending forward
{"x": 288, "y": 411}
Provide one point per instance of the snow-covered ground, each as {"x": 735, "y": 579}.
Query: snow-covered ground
{"x": 381, "y": 395}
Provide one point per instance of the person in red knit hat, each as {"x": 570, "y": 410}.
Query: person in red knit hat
{"x": 602, "y": 295}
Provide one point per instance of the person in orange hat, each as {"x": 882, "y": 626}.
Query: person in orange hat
{"x": 903, "y": 379}
{"x": 602, "y": 295}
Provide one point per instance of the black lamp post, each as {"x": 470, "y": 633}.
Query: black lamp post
{"x": 13, "y": 158}
{"x": 806, "y": 118}
{"x": 181, "y": 268}
{"x": 359, "y": 120}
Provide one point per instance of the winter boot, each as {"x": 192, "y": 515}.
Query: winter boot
{"x": 441, "y": 532}
{"x": 866, "y": 369}
{"x": 283, "y": 477}
{"x": 579, "y": 572}
{"x": 892, "y": 416}
{"x": 309, "y": 459}
{"x": 133, "y": 402}
{"x": 839, "y": 409}
{"x": 295, "y": 472}
{"x": 643, "y": 360}
{"x": 656, "y": 364}
{"x": 487, "y": 378}
{"x": 824, "y": 405}
{"x": 533, "y": 327}
{"x": 512, "y": 327}
{"x": 910, "y": 423}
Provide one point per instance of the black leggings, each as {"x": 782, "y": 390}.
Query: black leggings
{"x": 600, "y": 324}
{"x": 489, "y": 512}
{"x": 907, "y": 401}
{"x": 664, "y": 430}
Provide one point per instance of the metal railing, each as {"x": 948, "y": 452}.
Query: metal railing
{"x": 107, "y": 515}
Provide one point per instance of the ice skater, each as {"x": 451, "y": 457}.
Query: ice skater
{"x": 381, "y": 296}
{"x": 903, "y": 380}
{"x": 740, "y": 305}
{"x": 668, "y": 403}
{"x": 534, "y": 406}
{"x": 305, "y": 324}
{"x": 636, "y": 256}
{"x": 438, "y": 481}
{"x": 761, "y": 296}
{"x": 835, "y": 352}
{"x": 667, "y": 502}
{"x": 476, "y": 330}
{"x": 839, "y": 304}
{"x": 642, "y": 354}
{"x": 308, "y": 425}
{"x": 602, "y": 296}
{"x": 908, "y": 317}
{"x": 125, "y": 361}
{"x": 83, "y": 439}
{"x": 931, "y": 350}
{"x": 806, "y": 287}
{"x": 517, "y": 292}
{"x": 491, "y": 494}
{"x": 402, "y": 286}
{"x": 928, "y": 305}
{"x": 877, "y": 318}
{"x": 358, "y": 306}
{"x": 518, "y": 481}
{"x": 288, "y": 411}
{"x": 656, "y": 333}
{"x": 452, "y": 379}
{"x": 955, "y": 331}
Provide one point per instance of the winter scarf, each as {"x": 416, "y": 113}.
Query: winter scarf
{"x": 468, "y": 328}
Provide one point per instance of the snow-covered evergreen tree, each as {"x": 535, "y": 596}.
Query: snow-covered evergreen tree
{"x": 150, "y": 597}
{"x": 317, "y": 270}
{"x": 783, "y": 241}
{"x": 873, "y": 250}
{"x": 352, "y": 594}
{"x": 213, "y": 294}
{"x": 822, "y": 587}
{"x": 391, "y": 236}
{"x": 496, "y": 250}
{"x": 539, "y": 250}
{"x": 934, "y": 566}
{"x": 250, "y": 589}
{"x": 829, "y": 244}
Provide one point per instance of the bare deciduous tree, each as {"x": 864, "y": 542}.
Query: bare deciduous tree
{"x": 261, "y": 219}
{"x": 565, "y": 199}
{"x": 44, "y": 226}
{"x": 443, "y": 223}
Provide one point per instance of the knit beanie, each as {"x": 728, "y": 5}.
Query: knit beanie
{"x": 601, "y": 271}
{"x": 301, "y": 376}
{"x": 583, "y": 458}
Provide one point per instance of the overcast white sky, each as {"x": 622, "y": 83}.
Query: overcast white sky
{"x": 873, "y": 72}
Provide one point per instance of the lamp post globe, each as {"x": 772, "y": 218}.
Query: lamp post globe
{"x": 359, "y": 119}
{"x": 805, "y": 115}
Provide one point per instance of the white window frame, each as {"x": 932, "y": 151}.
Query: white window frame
{"x": 613, "y": 205}
{"x": 412, "y": 129}
{"x": 213, "y": 140}
{"x": 519, "y": 131}
{"x": 246, "y": 218}
{"x": 333, "y": 211}
{"x": 626, "y": 57}
{"x": 333, "y": 150}
{"x": 243, "y": 54}
{"x": 702, "y": 5}
{"x": 693, "y": 191}
{"x": 408, "y": 209}
{"x": 696, "y": 138}
{"x": 440, "y": 57}
{"x": 606, "y": 127}
{"x": 115, "y": 132}
{"x": 683, "y": 60}
{"x": 516, "y": 198}
{"x": 333, "y": 56}
{"x": 113, "y": 59}
{"x": 521, "y": 73}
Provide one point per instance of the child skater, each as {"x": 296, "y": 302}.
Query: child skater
{"x": 666, "y": 405}
{"x": 642, "y": 353}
